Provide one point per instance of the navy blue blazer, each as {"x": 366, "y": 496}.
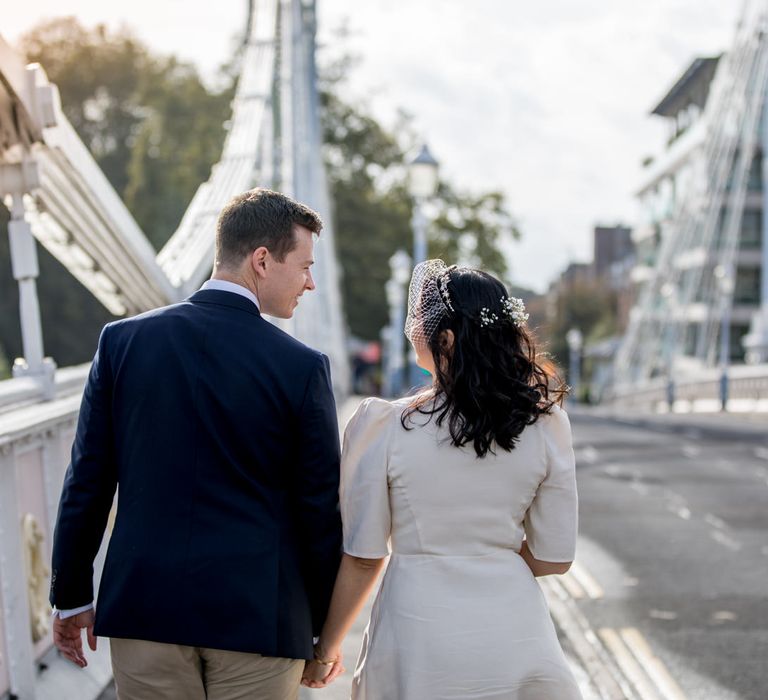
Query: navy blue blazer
{"x": 219, "y": 432}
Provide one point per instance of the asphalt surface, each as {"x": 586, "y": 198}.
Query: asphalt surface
{"x": 674, "y": 533}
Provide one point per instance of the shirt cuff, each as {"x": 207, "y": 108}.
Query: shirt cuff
{"x": 71, "y": 612}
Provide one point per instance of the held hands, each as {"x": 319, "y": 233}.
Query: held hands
{"x": 323, "y": 669}
{"x": 68, "y": 638}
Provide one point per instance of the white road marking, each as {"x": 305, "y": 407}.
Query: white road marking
{"x": 691, "y": 451}
{"x": 761, "y": 452}
{"x": 662, "y": 614}
{"x": 723, "y": 539}
{"x": 714, "y": 521}
{"x": 726, "y": 464}
{"x": 724, "y": 616}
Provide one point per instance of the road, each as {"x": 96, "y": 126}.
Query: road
{"x": 672, "y": 573}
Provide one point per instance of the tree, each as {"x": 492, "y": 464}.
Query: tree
{"x": 373, "y": 208}
{"x": 155, "y": 130}
{"x": 100, "y": 76}
{"x": 588, "y": 306}
{"x": 149, "y": 121}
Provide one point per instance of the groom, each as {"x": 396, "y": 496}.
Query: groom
{"x": 218, "y": 430}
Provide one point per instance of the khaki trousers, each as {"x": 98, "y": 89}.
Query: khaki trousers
{"x": 154, "y": 671}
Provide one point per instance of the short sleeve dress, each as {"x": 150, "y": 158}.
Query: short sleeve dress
{"x": 459, "y": 614}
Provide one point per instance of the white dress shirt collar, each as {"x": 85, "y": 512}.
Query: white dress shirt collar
{"x": 226, "y": 286}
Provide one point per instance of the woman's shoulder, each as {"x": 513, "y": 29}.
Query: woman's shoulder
{"x": 373, "y": 411}
{"x": 552, "y": 426}
{"x": 555, "y": 418}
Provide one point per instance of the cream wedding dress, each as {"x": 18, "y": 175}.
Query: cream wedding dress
{"x": 459, "y": 614}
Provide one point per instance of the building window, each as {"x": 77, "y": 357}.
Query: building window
{"x": 755, "y": 181}
{"x": 747, "y": 290}
{"x": 751, "y": 230}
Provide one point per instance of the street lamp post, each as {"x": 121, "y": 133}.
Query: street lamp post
{"x": 400, "y": 265}
{"x": 575, "y": 340}
{"x": 669, "y": 292}
{"x": 725, "y": 284}
{"x": 422, "y": 185}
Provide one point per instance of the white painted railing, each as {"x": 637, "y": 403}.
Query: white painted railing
{"x": 35, "y": 438}
{"x": 747, "y": 392}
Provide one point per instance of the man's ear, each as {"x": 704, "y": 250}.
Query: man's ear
{"x": 259, "y": 260}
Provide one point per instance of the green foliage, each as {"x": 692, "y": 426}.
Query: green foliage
{"x": 373, "y": 208}
{"x": 150, "y": 122}
{"x": 5, "y": 367}
{"x": 470, "y": 227}
{"x": 178, "y": 141}
{"x": 590, "y": 307}
{"x": 155, "y": 129}
{"x": 99, "y": 76}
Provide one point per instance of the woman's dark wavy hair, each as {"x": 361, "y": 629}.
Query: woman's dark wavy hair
{"x": 490, "y": 384}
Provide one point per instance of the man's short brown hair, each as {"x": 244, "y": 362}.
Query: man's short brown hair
{"x": 261, "y": 217}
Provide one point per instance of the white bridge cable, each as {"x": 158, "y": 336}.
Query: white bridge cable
{"x": 95, "y": 235}
{"x": 654, "y": 333}
{"x": 722, "y": 297}
{"x": 188, "y": 256}
{"x": 103, "y": 229}
{"x": 274, "y": 139}
{"x": 728, "y": 157}
{"x": 660, "y": 301}
{"x": 319, "y": 320}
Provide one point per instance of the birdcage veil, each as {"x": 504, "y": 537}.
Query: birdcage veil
{"x": 429, "y": 301}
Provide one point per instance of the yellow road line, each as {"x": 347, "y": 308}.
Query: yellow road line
{"x": 591, "y": 587}
{"x": 628, "y": 664}
{"x": 572, "y": 586}
{"x": 652, "y": 664}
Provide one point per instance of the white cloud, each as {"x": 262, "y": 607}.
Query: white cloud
{"x": 547, "y": 101}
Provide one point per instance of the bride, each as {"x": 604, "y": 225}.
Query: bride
{"x": 469, "y": 488}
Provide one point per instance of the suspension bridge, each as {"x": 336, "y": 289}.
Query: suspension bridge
{"x": 681, "y": 326}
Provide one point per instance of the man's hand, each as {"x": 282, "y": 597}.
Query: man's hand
{"x": 318, "y": 675}
{"x": 67, "y": 635}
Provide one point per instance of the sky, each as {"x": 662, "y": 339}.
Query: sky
{"x": 548, "y": 102}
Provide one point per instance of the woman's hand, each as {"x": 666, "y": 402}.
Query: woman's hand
{"x": 319, "y": 675}
{"x": 354, "y": 582}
